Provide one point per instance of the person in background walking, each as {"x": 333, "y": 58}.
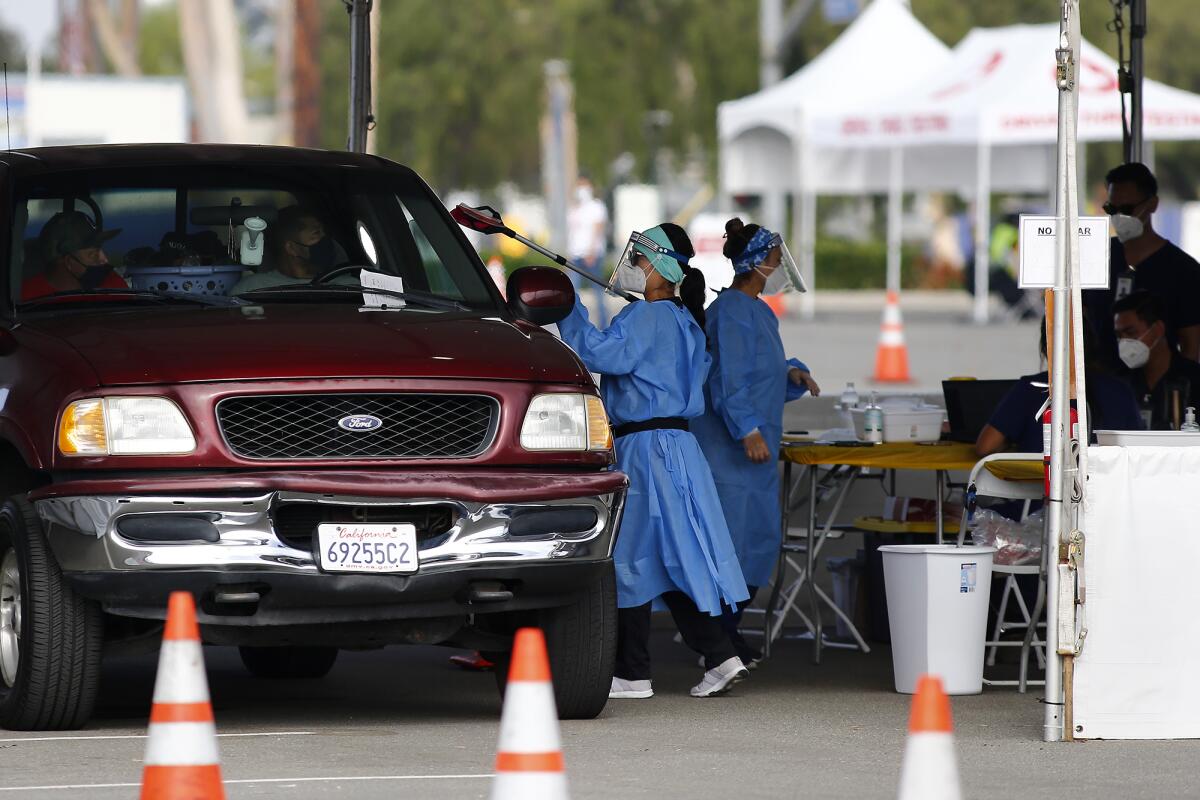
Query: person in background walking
{"x": 587, "y": 221}
{"x": 740, "y": 432}
{"x": 674, "y": 544}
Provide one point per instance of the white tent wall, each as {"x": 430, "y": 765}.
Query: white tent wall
{"x": 763, "y": 149}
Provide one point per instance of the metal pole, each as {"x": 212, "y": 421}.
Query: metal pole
{"x": 1060, "y": 398}
{"x": 894, "y": 212}
{"x": 983, "y": 223}
{"x": 1137, "y": 70}
{"x": 360, "y": 73}
{"x": 770, "y": 25}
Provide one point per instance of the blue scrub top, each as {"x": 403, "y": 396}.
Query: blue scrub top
{"x": 746, "y": 390}
{"x": 673, "y": 537}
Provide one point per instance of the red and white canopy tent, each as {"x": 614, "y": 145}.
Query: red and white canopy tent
{"x": 990, "y": 116}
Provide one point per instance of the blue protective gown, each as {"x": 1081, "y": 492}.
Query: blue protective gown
{"x": 746, "y": 389}
{"x": 653, "y": 363}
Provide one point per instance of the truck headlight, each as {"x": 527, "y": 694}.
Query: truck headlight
{"x": 119, "y": 426}
{"x": 566, "y": 422}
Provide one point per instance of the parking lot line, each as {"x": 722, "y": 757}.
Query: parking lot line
{"x": 142, "y": 736}
{"x": 331, "y": 779}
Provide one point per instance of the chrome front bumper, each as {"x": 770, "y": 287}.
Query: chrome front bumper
{"x": 82, "y": 532}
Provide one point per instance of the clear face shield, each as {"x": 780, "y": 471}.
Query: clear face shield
{"x": 640, "y": 251}
{"x": 780, "y": 269}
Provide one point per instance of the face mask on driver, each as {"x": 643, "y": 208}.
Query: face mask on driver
{"x": 1127, "y": 227}
{"x": 322, "y": 253}
{"x": 93, "y": 276}
{"x": 1134, "y": 353}
{"x": 630, "y": 278}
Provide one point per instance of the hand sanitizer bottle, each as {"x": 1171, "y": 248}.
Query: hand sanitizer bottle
{"x": 873, "y": 421}
{"x": 1189, "y": 421}
{"x": 849, "y": 396}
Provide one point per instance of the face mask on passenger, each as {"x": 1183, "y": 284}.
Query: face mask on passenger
{"x": 93, "y": 276}
{"x": 322, "y": 253}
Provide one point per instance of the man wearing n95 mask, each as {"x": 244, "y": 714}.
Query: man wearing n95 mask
{"x": 1142, "y": 260}
{"x": 1163, "y": 381}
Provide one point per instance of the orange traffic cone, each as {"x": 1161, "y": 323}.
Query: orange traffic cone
{"x": 529, "y": 761}
{"x": 930, "y": 771}
{"x": 495, "y": 268}
{"x": 891, "y": 359}
{"x": 775, "y": 301}
{"x": 181, "y": 750}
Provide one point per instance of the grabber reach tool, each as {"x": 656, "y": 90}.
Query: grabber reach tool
{"x": 485, "y": 219}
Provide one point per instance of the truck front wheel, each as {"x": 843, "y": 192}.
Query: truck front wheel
{"x": 582, "y": 642}
{"x": 50, "y": 637}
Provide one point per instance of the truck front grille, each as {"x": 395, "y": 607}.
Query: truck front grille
{"x": 357, "y": 426}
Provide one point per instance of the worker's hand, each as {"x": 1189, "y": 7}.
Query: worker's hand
{"x": 804, "y": 378}
{"x": 756, "y": 448}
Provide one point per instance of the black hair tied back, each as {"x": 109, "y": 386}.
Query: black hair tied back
{"x": 737, "y": 236}
{"x": 692, "y": 293}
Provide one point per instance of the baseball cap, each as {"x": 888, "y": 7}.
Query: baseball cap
{"x": 69, "y": 231}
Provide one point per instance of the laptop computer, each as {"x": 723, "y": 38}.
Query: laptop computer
{"x": 969, "y": 405}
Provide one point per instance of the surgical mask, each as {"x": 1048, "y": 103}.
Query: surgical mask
{"x": 630, "y": 278}
{"x": 1134, "y": 353}
{"x": 93, "y": 276}
{"x": 1127, "y": 227}
{"x": 583, "y": 195}
{"x": 778, "y": 280}
{"x": 322, "y": 253}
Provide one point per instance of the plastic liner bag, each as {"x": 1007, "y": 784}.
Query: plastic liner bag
{"x": 1016, "y": 543}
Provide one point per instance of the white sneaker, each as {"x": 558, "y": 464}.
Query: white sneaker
{"x": 752, "y": 664}
{"x": 622, "y": 689}
{"x": 720, "y": 679}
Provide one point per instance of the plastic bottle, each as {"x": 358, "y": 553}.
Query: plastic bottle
{"x": 873, "y": 421}
{"x": 849, "y": 396}
{"x": 1189, "y": 421}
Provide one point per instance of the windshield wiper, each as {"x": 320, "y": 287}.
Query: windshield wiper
{"x": 429, "y": 301}
{"x": 132, "y": 294}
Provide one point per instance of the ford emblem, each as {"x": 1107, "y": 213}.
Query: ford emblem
{"x": 360, "y": 422}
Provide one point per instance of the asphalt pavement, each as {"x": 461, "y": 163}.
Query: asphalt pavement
{"x": 404, "y": 723}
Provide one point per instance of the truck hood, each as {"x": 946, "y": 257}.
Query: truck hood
{"x": 306, "y": 341}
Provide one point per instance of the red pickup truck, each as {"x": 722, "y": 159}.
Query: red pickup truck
{"x": 282, "y": 380}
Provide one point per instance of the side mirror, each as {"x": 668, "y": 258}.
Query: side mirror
{"x": 541, "y": 295}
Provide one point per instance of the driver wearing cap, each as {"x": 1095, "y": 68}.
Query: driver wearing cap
{"x": 75, "y": 261}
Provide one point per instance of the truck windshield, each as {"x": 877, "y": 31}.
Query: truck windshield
{"x": 220, "y": 233}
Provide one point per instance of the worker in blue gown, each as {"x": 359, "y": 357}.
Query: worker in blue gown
{"x": 674, "y": 545}
{"x": 750, "y": 380}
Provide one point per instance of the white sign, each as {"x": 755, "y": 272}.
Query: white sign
{"x": 1038, "y": 252}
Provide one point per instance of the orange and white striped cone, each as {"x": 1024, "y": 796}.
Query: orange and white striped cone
{"x": 529, "y": 761}
{"x": 891, "y": 359}
{"x": 930, "y": 771}
{"x": 495, "y": 268}
{"x": 775, "y": 303}
{"x": 181, "y": 750}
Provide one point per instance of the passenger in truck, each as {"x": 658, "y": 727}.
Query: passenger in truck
{"x": 300, "y": 250}
{"x": 72, "y": 251}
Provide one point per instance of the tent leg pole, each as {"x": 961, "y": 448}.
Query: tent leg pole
{"x": 895, "y": 212}
{"x": 983, "y": 221}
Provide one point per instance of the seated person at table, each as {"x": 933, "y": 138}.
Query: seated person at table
{"x": 1164, "y": 381}
{"x": 1015, "y": 423}
{"x": 73, "y": 253}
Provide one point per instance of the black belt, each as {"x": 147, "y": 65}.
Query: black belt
{"x": 655, "y": 424}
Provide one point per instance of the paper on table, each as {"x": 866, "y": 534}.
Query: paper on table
{"x": 378, "y": 280}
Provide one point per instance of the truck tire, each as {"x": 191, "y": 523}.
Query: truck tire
{"x": 51, "y": 639}
{"x": 582, "y": 642}
{"x": 289, "y": 663}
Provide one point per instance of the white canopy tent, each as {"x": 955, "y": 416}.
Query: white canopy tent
{"x": 763, "y": 147}
{"x": 991, "y": 116}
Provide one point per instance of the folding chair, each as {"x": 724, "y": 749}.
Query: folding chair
{"x": 983, "y": 483}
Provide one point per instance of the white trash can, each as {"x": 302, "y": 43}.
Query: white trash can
{"x": 937, "y": 597}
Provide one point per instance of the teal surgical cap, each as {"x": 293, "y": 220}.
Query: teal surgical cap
{"x": 664, "y": 264}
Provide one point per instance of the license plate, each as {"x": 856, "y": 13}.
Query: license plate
{"x": 380, "y": 547}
